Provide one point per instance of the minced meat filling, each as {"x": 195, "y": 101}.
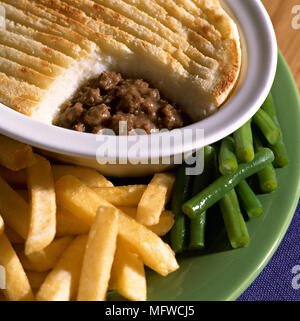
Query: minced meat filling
{"x": 106, "y": 101}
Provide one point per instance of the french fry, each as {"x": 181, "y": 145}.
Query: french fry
{"x": 155, "y": 198}
{"x": 14, "y": 178}
{"x": 99, "y": 256}
{"x": 36, "y": 279}
{"x": 68, "y": 224}
{"x": 122, "y": 195}
{"x": 155, "y": 253}
{"x": 83, "y": 202}
{"x": 165, "y": 224}
{"x": 17, "y": 284}
{"x": 1, "y": 225}
{"x": 42, "y": 226}
{"x": 62, "y": 282}
{"x": 128, "y": 274}
{"x": 77, "y": 198}
{"x": 14, "y": 210}
{"x": 45, "y": 259}
{"x": 151, "y": 205}
{"x": 130, "y": 211}
{"x": 15, "y": 155}
{"x": 88, "y": 176}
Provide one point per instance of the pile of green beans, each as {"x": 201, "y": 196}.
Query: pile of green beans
{"x": 257, "y": 148}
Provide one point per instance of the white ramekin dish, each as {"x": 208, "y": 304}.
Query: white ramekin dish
{"x": 258, "y": 71}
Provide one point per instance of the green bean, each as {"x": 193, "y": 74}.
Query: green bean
{"x": 178, "y": 234}
{"x": 197, "y": 232}
{"x": 235, "y": 225}
{"x": 244, "y": 143}
{"x": 267, "y": 179}
{"x": 267, "y": 126}
{"x": 205, "y": 178}
{"x": 267, "y": 176}
{"x": 279, "y": 149}
{"x": 248, "y": 200}
{"x": 281, "y": 158}
{"x": 181, "y": 193}
{"x": 198, "y": 224}
{"x": 221, "y": 186}
{"x": 227, "y": 160}
{"x": 269, "y": 107}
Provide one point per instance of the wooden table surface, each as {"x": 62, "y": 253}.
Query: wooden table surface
{"x": 287, "y": 36}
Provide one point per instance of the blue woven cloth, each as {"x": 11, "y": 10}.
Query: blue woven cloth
{"x": 280, "y": 279}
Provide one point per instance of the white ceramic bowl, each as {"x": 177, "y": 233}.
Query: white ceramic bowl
{"x": 258, "y": 72}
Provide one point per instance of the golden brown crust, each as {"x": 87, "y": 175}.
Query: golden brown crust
{"x": 22, "y": 105}
{"x": 20, "y": 88}
{"x": 34, "y": 48}
{"x": 32, "y": 16}
{"x": 229, "y": 75}
{"x": 24, "y": 73}
{"x": 24, "y": 59}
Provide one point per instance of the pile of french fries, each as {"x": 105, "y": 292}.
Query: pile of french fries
{"x": 66, "y": 233}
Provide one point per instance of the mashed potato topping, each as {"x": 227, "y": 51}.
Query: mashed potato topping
{"x": 188, "y": 49}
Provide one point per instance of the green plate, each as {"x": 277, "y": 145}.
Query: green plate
{"x": 224, "y": 274}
